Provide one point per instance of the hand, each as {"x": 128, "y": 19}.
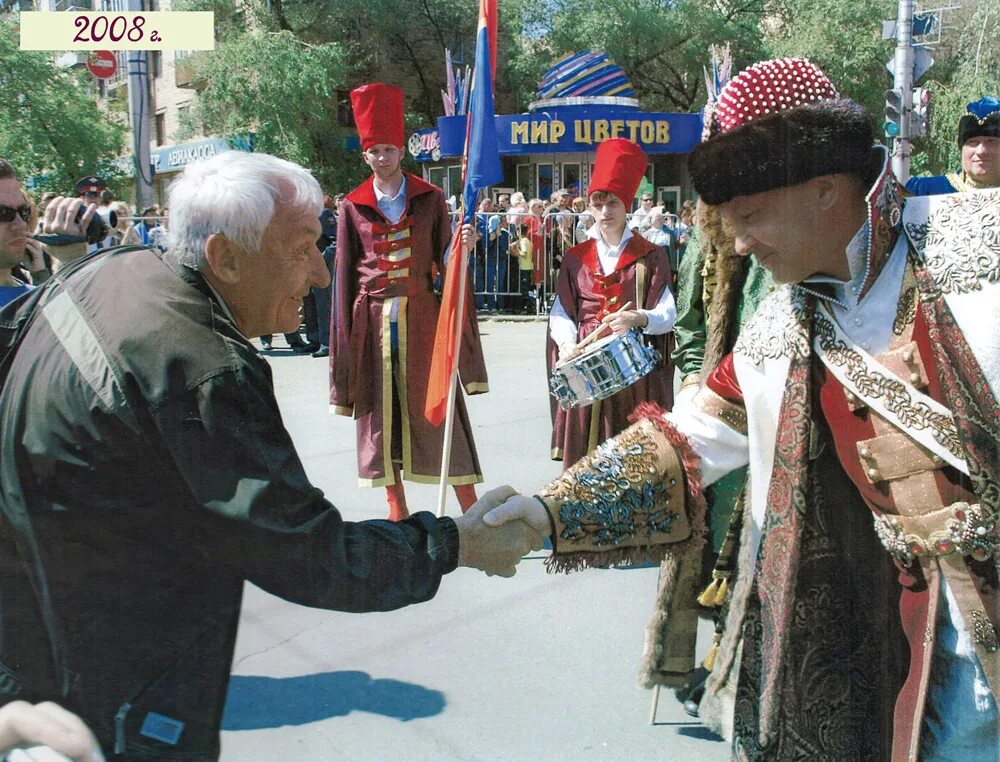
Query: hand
{"x": 34, "y": 256}
{"x": 59, "y": 220}
{"x": 61, "y": 213}
{"x": 47, "y": 724}
{"x": 494, "y": 550}
{"x": 521, "y": 508}
{"x": 470, "y": 236}
{"x": 567, "y": 352}
{"x": 623, "y": 320}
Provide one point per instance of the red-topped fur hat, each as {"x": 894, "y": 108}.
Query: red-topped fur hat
{"x": 780, "y": 123}
{"x": 378, "y": 113}
{"x": 618, "y": 169}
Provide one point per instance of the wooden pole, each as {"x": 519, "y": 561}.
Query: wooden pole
{"x": 449, "y": 420}
{"x": 656, "y": 701}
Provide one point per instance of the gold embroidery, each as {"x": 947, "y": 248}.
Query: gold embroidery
{"x": 777, "y": 328}
{"x": 906, "y": 311}
{"x": 628, "y": 492}
{"x": 730, "y": 413}
{"x": 959, "y": 242}
{"x": 912, "y": 414}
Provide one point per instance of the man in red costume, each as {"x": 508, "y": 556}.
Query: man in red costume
{"x": 393, "y": 229}
{"x": 863, "y": 396}
{"x": 597, "y": 278}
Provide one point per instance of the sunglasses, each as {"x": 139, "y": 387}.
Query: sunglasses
{"x": 7, "y": 212}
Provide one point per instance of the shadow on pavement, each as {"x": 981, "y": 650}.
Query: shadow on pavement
{"x": 256, "y": 702}
{"x": 700, "y": 733}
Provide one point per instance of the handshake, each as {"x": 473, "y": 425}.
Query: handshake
{"x": 499, "y": 529}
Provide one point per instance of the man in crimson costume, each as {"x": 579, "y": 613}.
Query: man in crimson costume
{"x": 862, "y": 394}
{"x": 612, "y": 268}
{"x": 393, "y": 230}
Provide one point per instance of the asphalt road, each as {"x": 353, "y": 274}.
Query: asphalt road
{"x": 538, "y": 667}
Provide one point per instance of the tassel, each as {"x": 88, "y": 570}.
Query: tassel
{"x": 708, "y": 597}
{"x": 720, "y": 597}
{"x": 709, "y": 662}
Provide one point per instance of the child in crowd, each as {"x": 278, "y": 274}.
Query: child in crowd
{"x": 526, "y": 268}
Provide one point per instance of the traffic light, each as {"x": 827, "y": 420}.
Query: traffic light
{"x": 893, "y": 113}
{"x": 921, "y": 116}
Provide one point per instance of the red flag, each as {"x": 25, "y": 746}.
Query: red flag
{"x": 480, "y": 168}
{"x": 444, "y": 360}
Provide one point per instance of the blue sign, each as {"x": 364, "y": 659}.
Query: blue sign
{"x": 175, "y": 158}
{"x": 580, "y": 129}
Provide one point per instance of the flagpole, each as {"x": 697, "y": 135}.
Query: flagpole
{"x": 449, "y": 421}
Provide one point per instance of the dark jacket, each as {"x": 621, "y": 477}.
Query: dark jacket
{"x": 144, "y": 475}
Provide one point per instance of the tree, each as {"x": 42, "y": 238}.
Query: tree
{"x": 661, "y": 45}
{"x": 281, "y": 69}
{"x": 843, "y": 38}
{"x": 51, "y": 130}
{"x": 974, "y": 72}
{"x": 285, "y": 92}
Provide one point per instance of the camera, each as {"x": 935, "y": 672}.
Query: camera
{"x": 100, "y": 225}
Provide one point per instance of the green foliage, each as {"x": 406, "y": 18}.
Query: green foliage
{"x": 976, "y": 73}
{"x": 661, "y": 45}
{"x": 843, "y": 39}
{"x": 283, "y": 90}
{"x": 51, "y": 129}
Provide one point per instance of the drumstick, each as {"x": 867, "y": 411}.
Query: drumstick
{"x": 600, "y": 329}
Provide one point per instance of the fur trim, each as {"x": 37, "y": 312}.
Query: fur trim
{"x": 571, "y": 562}
{"x": 970, "y": 126}
{"x": 721, "y": 307}
{"x": 675, "y": 609}
{"x": 785, "y": 148}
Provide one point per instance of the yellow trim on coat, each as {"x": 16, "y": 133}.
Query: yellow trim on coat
{"x": 386, "y": 400}
{"x": 342, "y": 409}
{"x": 556, "y": 453}
{"x": 477, "y": 387}
{"x": 403, "y": 387}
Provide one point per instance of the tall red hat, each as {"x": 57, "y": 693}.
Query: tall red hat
{"x": 618, "y": 169}
{"x": 378, "y": 113}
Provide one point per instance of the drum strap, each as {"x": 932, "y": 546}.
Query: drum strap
{"x": 641, "y": 276}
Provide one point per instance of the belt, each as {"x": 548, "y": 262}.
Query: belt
{"x": 957, "y": 528}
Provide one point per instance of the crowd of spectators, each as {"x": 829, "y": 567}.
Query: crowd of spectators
{"x": 523, "y": 241}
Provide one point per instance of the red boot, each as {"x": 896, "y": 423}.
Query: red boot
{"x": 396, "y": 498}
{"x": 466, "y": 494}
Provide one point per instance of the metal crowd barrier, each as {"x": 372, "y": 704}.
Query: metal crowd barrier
{"x": 497, "y": 281}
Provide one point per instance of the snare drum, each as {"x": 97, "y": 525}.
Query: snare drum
{"x": 608, "y": 366}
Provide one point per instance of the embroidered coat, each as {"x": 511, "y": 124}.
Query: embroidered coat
{"x": 641, "y": 276}
{"x": 379, "y": 264}
{"x": 856, "y": 525}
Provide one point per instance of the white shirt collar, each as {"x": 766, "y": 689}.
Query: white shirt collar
{"x": 845, "y": 292}
{"x": 379, "y": 195}
{"x": 594, "y": 231}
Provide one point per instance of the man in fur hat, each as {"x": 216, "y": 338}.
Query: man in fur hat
{"x": 979, "y": 139}
{"x": 863, "y": 396}
{"x": 393, "y": 229}
{"x": 615, "y": 266}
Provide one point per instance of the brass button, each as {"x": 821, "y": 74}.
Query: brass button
{"x": 873, "y": 474}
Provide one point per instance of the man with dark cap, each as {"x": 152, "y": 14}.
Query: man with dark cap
{"x": 863, "y": 396}
{"x": 979, "y": 140}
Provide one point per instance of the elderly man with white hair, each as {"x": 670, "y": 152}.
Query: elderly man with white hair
{"x": 146, "y": 474}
